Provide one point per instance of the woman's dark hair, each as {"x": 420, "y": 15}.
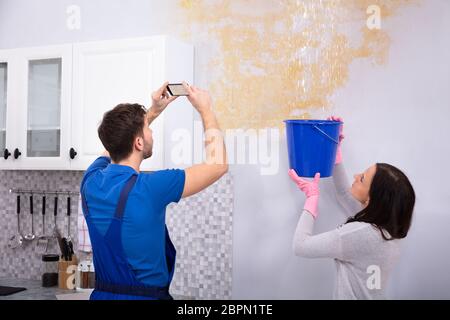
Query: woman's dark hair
{"x": 391, "y": 204}
{"x": 119, "y": 127}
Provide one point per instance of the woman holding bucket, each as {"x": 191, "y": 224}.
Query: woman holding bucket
{"x": 379, "y": 207}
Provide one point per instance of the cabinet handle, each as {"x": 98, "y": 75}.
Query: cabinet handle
{"x": 72, "y": 153}
{"x": 17, "y": 153}
{"x": 6, "y": 154}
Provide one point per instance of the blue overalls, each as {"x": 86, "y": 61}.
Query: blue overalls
{"x": 114, "y": 278}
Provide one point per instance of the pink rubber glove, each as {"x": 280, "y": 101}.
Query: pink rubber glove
{"x": 341, "y": 137}
{"x": 311, "y": 190}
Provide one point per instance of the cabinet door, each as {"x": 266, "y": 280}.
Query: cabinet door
{"x": 45, "y": 101}
{"x": 8, "y": 98}
{"x": 106, "y": 74}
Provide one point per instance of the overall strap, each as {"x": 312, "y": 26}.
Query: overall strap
{"x": 83, "y": 201}
{"x": 124, "y": 197}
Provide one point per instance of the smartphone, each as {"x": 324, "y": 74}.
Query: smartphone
{"x": 177, "y": 89}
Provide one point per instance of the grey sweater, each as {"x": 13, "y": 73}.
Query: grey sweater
{"x": 363, "y": 259}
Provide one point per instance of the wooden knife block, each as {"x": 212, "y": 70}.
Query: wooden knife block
{"x": 67, "y": 273}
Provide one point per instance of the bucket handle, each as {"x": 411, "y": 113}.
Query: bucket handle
{"x": 325, "y": 134}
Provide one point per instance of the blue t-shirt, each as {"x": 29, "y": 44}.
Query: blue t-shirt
{"x": 143, "y": 227}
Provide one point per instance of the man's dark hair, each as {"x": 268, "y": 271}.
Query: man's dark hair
{"x": 391, "y": 204}
{"x": 119, "y": 127}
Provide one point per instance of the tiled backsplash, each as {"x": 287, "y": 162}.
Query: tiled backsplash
{"x": 200, "y": 227}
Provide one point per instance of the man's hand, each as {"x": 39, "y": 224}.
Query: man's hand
{"x": 160, "y": 100}
{"x": 199, "y": 98}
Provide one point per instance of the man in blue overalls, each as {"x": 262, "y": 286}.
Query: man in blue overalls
{"x": 125, "y": 210}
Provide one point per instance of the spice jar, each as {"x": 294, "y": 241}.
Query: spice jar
{"x": 85, "y": 275}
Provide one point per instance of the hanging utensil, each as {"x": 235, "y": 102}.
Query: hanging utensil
{"x": 68, "y": 218}
{"x": 16, "y": 240}
{"x": 69, "y": 239}
{"x": 65, "y": 241}
{"x": 53, "y": 235}
{"x": 56, "y": 232}
{"x": 42, "y": 243}
{"x": 31, "y": 236}
{"x": 55, "y": 212}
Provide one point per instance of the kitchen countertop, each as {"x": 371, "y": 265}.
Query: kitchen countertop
{"x": 36, "y": 292}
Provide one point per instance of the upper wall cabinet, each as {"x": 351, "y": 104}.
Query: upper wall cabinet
{"x": 108, "y": 73}
{"x": 35, "y": 105}
{"x": 4, "y": 107}
{"x": 9, "y": 109}
{"x": 52, "y": 99}
{"x": 3, "y": 103}
{"x": 44, "y": 106}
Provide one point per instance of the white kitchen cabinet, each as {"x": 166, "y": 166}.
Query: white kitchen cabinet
{"x": 108, "y": 73}
{"x": 53, "y": 98}
{"x": 8, "y": 110}
{"x": 35, "y": 103}
{"x": 44, "y": 106}
{"x": 3, "y": 104}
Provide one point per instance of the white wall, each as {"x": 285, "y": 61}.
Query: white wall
{"x": 26, "y": 23}
{"x": 395, "y": 113}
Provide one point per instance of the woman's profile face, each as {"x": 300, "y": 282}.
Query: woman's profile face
{"x": 361, "y": 185}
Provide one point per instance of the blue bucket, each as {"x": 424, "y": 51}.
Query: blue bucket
{"x": 312, "y": 146}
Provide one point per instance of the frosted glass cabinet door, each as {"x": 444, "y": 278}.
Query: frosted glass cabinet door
{"x": 8, "y": 99}
{"x": 45, "y": 102}
{"x": 3, "y": 95}
{"x": 44, "y": 108}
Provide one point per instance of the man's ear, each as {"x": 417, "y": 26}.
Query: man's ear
{"x": 139, "y": 143}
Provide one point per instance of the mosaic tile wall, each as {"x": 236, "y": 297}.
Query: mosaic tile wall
{"x": 200, "y": 227}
